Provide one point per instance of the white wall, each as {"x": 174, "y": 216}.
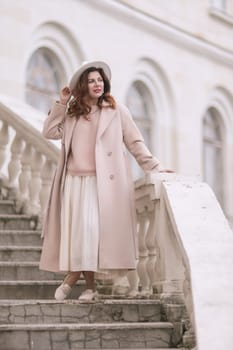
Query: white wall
{"x": 194, "y": 17}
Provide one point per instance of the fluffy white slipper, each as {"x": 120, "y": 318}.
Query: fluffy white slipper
{"x": 87, "y": 295}
{"x": 62, "y": 291}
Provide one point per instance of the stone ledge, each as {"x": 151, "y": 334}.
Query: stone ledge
{"x": 37, "y": 232}
{"x": 32, "y": 282}
{"x": 20, "y": 247}
{"x": 84, "y": 326}
{"x": 74, "y": 301}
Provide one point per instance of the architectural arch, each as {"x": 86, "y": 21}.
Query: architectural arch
{"x": 222, "y": 100}
{"x": 149, "y": 74}
{"x": 52, "y": 44}
{"x": 140, "y": 102}
{"x": 213, "y": 147}
{"x": 220, "y": 104}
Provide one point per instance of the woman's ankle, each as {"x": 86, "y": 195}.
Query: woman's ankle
{"x": 91, "y": 287}
{"x": 71, "y": 278}
{"x": 89, "y": 278}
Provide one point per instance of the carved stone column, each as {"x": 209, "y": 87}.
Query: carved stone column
{"x": 35, "y": 184}
{"x": 24, "y": 179}
{"x": 14, "y": 165}
{"x": 189, "y": 339}
{"x": 4, "y": 139}
{"x": 152, "y": 253}
{"x": 171, "y": 265}
{"x": 143, "y": 255}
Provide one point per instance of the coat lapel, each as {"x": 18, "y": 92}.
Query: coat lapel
{"x": 69, "y": 132}
{"x": 106, "y": 116}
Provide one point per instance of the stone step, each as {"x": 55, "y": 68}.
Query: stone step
{"x": 35, "y": 289}
{"x": 17, "y": 237}
{"x": 86, "y": 336}
{"x": 17, "y": 222}
{"x": 25, "y": 271}
{"x": 7, "y": 206}
{"x": 20, "y": 253}
{"x": 74, "y": 311}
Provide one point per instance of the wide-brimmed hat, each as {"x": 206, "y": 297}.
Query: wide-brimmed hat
{"x": 85, "y": 65}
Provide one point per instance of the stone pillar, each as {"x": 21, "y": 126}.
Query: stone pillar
{"x": 24, "y": 179}
{"x": 14, "y": 165}
{"x": 35, "y": 184}
{"x": 4, "y": 139}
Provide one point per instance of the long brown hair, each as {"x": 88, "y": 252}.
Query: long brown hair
{"x": 79, "y": 104}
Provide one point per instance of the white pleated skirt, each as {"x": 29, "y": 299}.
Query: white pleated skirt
{"x": 79, "y": 245}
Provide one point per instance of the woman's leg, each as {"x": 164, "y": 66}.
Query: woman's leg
{"x": 64, "y": 289}
{"x": 89, "y": 294}
{"x": 89, "y": 278}
{"x": 71, "y": 278}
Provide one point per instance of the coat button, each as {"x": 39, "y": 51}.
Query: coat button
{"x": 111, "y": 177}
{"x": 109, "y": 154}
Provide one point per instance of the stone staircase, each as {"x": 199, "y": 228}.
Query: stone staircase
{"x": 30, "y": 319}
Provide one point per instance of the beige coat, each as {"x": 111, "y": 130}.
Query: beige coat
{"x": 118, "y": 243}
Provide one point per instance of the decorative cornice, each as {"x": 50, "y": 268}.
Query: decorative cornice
{"x": 164, "y": 30}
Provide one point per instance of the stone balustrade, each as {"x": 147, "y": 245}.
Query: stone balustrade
{"x": 162, "y": 270}
{"x": 185, "y": 255}
{"x": 29, "y": 161}
{"x": 156, "y": 240}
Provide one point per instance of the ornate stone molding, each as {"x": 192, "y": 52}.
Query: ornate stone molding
{"x": 164, "y": 30}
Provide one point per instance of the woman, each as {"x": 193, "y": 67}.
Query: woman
{"x": 90, "y": 224}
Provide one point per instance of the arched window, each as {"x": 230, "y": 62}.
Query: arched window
{"x": 139, "y": 102}
{"x": 213, "y": 153}
{"x": 43, "y": 79}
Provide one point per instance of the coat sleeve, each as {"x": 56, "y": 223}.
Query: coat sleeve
{"x": 135, "y": 144}
{"x": 53, "y": 125}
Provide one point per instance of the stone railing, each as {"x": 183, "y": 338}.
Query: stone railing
{"x": 27, "y": 161}
{"x": 185, "y": 256}
{"x": 156, "y": 240}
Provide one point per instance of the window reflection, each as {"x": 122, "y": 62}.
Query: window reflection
{"x": 138, "y": 102}
{"x": 213, "y": 153}
{"x": 43, "y": 79}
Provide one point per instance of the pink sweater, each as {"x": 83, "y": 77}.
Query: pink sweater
{"x": 81, "y": 159}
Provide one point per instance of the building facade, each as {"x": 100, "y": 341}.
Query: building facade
{"x": 172, "y": 65}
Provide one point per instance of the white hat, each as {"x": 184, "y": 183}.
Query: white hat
{"x": 85, "y": 65}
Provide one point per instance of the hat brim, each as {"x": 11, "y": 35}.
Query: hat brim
{"x": 96, "y": 64}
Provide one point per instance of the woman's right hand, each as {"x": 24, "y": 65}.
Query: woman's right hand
{"x": 65, "y": 94}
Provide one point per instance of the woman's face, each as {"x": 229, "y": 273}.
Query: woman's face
{"x": 95, "y": 85}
